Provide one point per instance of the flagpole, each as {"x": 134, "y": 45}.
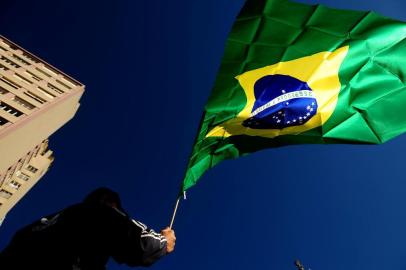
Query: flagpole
{"x": 174, "y": 213}
{"x": 176, "y": 208}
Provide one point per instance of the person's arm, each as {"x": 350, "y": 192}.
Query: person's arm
{"x": 136, "y": 244}
{"x": 153, "y": 245}
{"x": 142, "y": 246}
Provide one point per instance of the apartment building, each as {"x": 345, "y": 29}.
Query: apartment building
{"x": 36, "y": 99}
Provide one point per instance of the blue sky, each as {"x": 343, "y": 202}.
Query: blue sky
{"x": 332, "y": 206}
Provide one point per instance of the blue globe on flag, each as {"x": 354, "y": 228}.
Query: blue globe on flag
{"x": 281, "y": 101}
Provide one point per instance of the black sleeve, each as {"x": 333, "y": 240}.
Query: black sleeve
{"x": 153, "y": 245}
{"x": 140, "y": 246}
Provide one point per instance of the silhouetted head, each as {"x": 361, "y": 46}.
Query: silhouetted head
{"x": 104, "y": 196}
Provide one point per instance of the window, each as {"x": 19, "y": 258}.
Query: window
{"x": 70, "y": 82}
{"x": 4, "y": 44}
{"x": 56, "y": 89}
{"x": 3, "y": 91}
{"x": 3, "y": 121}
{"x": 9, "y": 83}
{"x": 32, "y": 169}
{"x": 9, "y": 45}
{"x": 22, "y": 175}
{"x": 33, "y": 76}
{"x": 9, "y": 109}
{"x": 50, "y": 70}
{"x": 21, "y": 60}
{"x": 32, "y": 58}
{"x": 5, "y": 194}
{"x": 35, "y": 97}
{"x": 14, "y": 184}
{"x": 43, "y": 72}
{"x": 23, "y": 103}
{"x": 8, "y": 61}
{"x": 64, "y": 84}
{"x": 46, "y": 93}
{"x": 23, "y": 79}
{"x": 3, "y": 67}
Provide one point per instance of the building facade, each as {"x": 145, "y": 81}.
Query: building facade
{"x": 36, "y": 99}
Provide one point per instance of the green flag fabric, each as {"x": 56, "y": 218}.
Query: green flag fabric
{"x": 294, "y": 73}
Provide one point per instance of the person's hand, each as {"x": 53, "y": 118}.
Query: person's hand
{"x": 169, "y": 234}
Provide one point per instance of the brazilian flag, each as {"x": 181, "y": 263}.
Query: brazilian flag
{"x": 294, "y": 73}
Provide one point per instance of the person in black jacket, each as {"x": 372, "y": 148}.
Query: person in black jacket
{"x": 84, "y": 236}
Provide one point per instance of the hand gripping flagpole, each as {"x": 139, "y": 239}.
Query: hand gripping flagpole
{"x": 176, "y": 209}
